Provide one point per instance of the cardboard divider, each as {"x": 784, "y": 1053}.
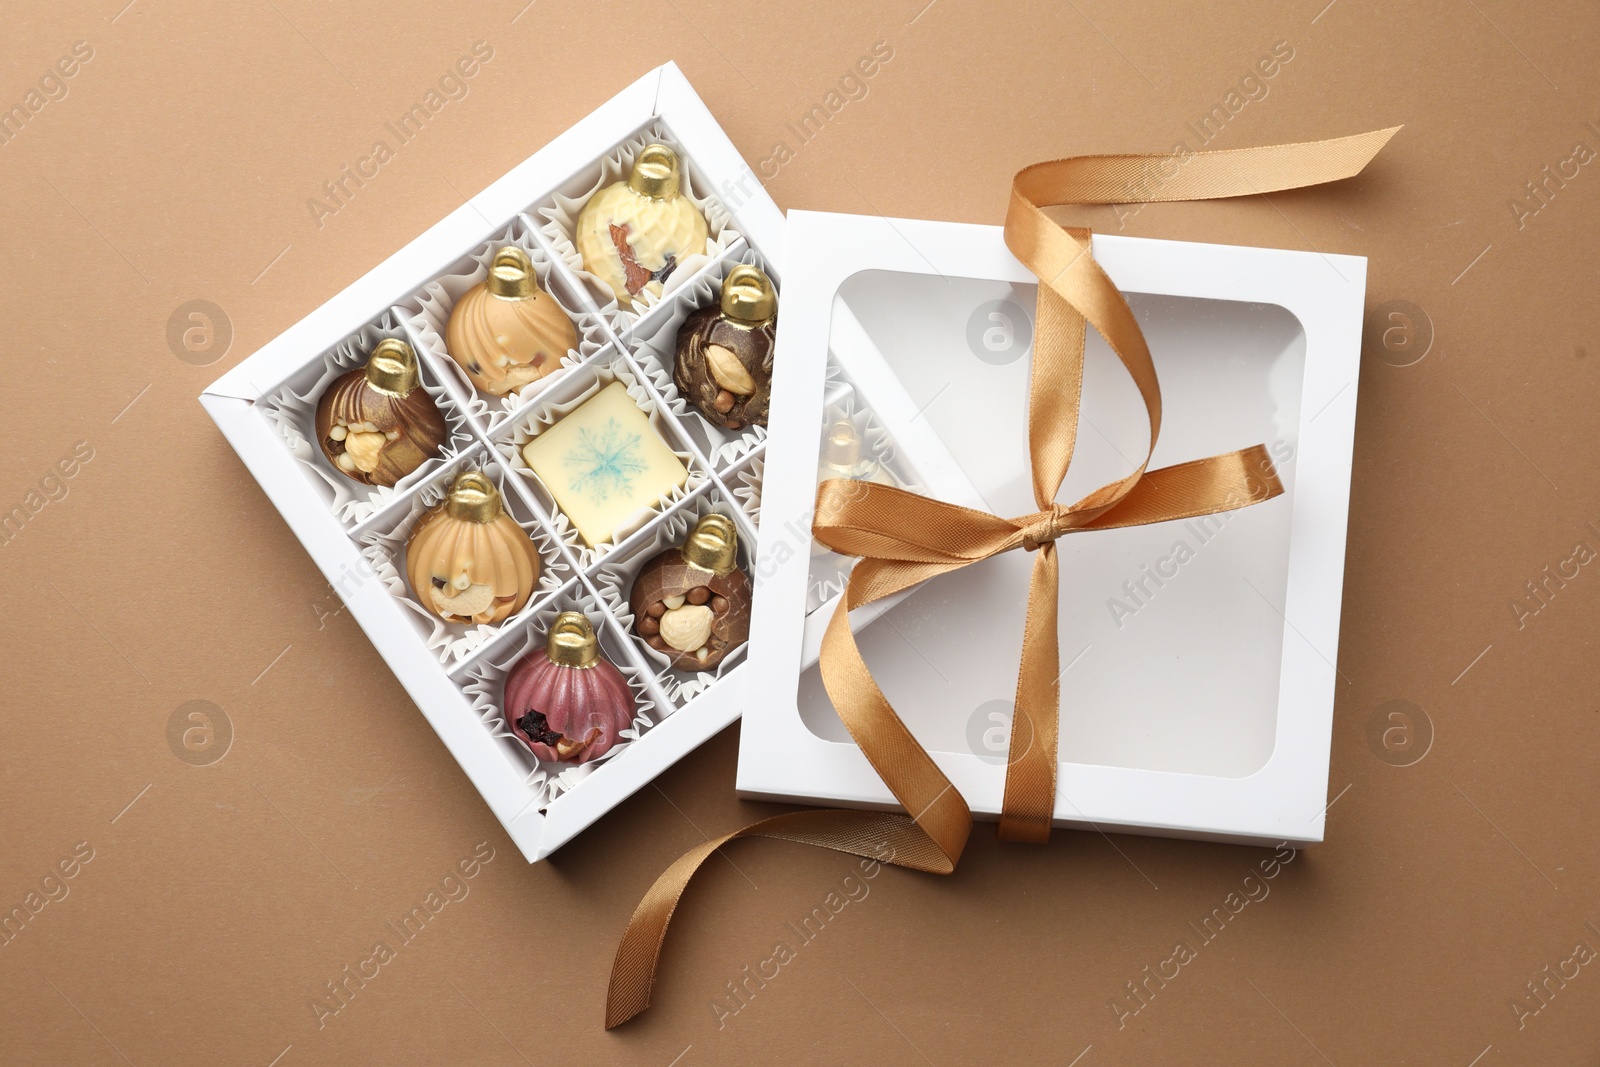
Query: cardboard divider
{"x": 744, "y": 485}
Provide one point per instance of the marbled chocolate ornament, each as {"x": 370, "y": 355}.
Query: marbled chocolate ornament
{"x": 723, "y": 364}
{"x": 467, "y": 560}
{"x": 692, "y": 603}
{"x": 632, "y": 234}
{"x": 566, "y": 701}
{"x": 505, "y": 331}
{"x": 377, "y": 424}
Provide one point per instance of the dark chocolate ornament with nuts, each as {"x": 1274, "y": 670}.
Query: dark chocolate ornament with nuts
{"x": 377, "y": 424}
{"x": 692, "y": 603}
{"x": 723, "y": 365}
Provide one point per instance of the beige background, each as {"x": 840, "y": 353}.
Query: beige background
{"x": 220, "y": 899}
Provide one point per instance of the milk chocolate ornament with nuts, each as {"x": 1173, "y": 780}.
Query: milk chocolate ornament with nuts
{"x": 723, "y": 364}
{"x": 632, "y": 234}
{"x": 467, "y": 560}
{"x": 566, "y": 701}
{"x": 377, "y": 424}
{"x": 692, "y": 603}
{"x": 505, "y": 331}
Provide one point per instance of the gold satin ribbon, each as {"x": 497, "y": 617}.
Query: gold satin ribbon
{"x": 904, "y": 539}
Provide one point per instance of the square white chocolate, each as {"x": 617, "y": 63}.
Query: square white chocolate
{"x": 603, "y": 462}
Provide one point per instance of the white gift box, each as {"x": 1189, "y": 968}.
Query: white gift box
{"x": 1198, "y": 656}
{"x": 357, "y": 534}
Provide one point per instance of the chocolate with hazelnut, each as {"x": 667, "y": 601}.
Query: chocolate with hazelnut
{"x": 723, "y": 364}
{"x": 691, "y": 603}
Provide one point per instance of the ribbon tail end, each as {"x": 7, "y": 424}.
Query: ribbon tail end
{"x": 621, "y": 1007}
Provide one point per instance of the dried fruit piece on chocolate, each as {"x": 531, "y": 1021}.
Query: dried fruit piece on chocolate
{"x": 632, "y": 234}
{"x": 566, "y": 702}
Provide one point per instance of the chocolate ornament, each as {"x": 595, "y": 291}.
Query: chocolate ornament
{"x": 633, "y": 233}
{"x": 565, "y": 701}
{"x": 506, "y": 332}
{"x": 842, "y": 458}
{"x": 467, "y": 560}
{"x": 377, "y": 424}
{"x": 692, "y": 603}
{"x": 724, "y": 361}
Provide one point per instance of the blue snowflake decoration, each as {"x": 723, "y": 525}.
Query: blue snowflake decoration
{"x": 604, "y": 461}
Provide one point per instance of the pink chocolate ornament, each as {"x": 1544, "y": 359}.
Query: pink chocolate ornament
{"x": 565, "y": 701}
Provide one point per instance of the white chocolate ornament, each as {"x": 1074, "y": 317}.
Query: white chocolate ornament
{"x": 632, "y": 234}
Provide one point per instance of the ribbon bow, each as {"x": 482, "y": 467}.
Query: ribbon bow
{"x": 904, "y": 539}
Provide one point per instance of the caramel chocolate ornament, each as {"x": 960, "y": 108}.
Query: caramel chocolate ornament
{"x": 377, "y": 424}
{"x": 467, "y": 560}
{"x": 632, "y": 234}
{"x": 692, "y": 603}
{"x": 566, "y": 701}
{"x": 506, "y": 332}
{"x": 724, "y": 353}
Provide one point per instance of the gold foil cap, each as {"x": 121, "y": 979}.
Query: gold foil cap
{"x": 572, "y": 642}
{"x": 392, "y": 368}
{"x": 843, "y": 448}
{"x": 748, "y": 296}
{"x": 511, "y": 274}
{"x": 713, "y": 545}
{"x": 473, "y": 498}
{"x": 655, "y": 173}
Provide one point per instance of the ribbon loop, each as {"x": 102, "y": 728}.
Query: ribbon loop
{"x": 904, "y": 538}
